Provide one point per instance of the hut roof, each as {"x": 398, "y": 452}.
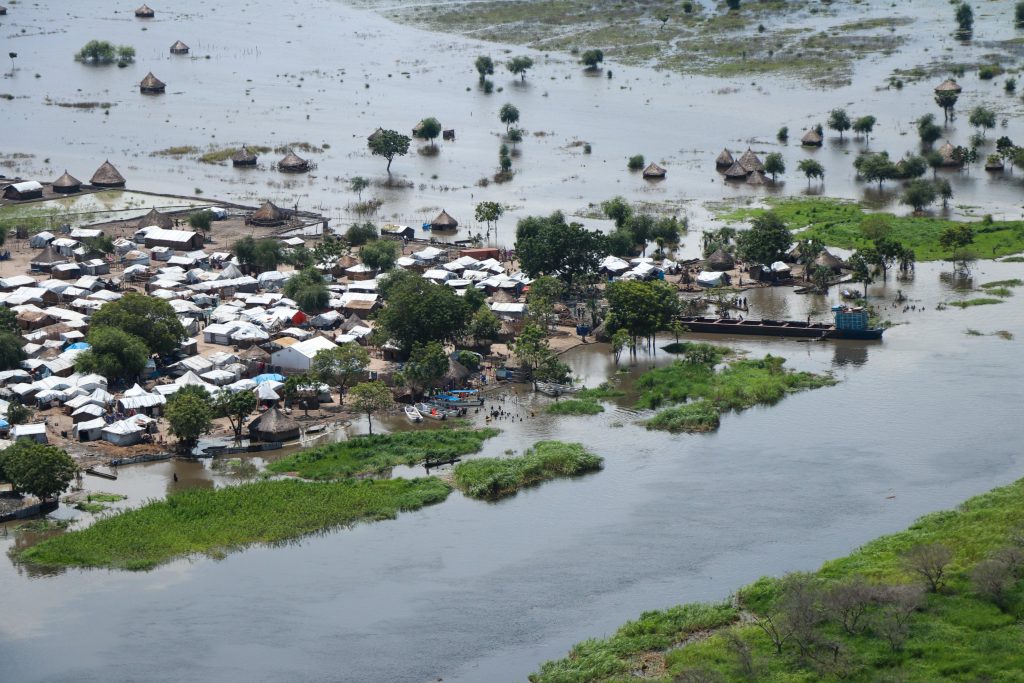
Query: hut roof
{"x": 107, "y": 175}
{"x": 151, "y": 82}
{"x": 243, "y": 155}
{"x": 720, "y": 259}
{"x": 750, "y": 161}
{"x": 457, "y": 372}
{"x": 946, "y": 152}
{"x": 67, "y": 182}
{"x": 736, "y": 171}
{"x": 293, "y": 161}
{"x": 948, "y": 85}
{"x": 255, "y": 353}
{"x": 756, "y": 178}
{"x": 444, "y": 220}
{"x": 829, "y": 260}
{"x": 268, "y": 213}
{"x": 811, "y": 137}
{"x": 144, "y": 11}
{"x": 274, "y": 423}
{"x": 374, "y": 134}
{"x": 48, "y": 255}
{"x": 725, "y": 160}
{"x": 654, "y": 171}
{"x": 156, "y": 218}
{"x": 179, "y": 47}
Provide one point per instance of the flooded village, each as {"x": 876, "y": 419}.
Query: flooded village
{"x": 511, "y": 341}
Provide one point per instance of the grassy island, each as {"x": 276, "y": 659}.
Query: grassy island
{"x": 378, "y": 453}
{"x": 216, "y": 521}
{"x": 493, "y": 478}
{"x": 575, "y": 406}
{"x": 940, "y": 601}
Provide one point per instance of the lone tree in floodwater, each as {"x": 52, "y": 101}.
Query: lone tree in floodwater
{"x": 370, "y": 398}
{"x": 946, "y": 99}
{"x": 982, "y": 118}
{"x": 811, "y": 169}
{"x": 964, "y": 19}
{"x": 864, "y": 125}
{"x": 428, "y": 129}
{"x": 389, "y": 144}
{"x": 484, "y": 67}
{"x": 839, "y": 121}
{"x": 508, "y": 114}
{"x": 774, "y": 165}
{"x": 592, "y": 58}
{"x": 520, "y": 65}
{"x": 357, "y": 185}
{"x": 928, "y": 130}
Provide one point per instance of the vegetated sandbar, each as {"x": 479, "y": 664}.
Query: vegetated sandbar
{"x": 870, "y": 616}
{"x": 216, "y": 521}
{"x": 492, "y": 478}
{"x": 380, "y": 452}
{"x": 575, "y": 406}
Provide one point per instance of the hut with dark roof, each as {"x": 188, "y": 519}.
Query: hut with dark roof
{"x": 243, "y": 157}
{"x": 374, "y": 135}
{"x": 151, "y": 85}
{"x": 721, "y": 260}
{"x": 3, "y": 10}
{"x": 948, "y": 154}
{"x": 948, "y": 85}
{"x": 994, "y": 163}
{"x": 46, "y": 260}
{"x": 756, "y": 178}
{"x": 736, "y": 172}
{"x": 725, "y": 159}
{"x": 653, "y": 171}
{"x": 267, "y": 215}
{"x": 827, "y": 259}
{"x": 751, "y": 162}
{"x": 156, "y": 218}
{"x": 107, "y": 176}
{"x": 145, "y": 12}
{"x": 67, "y": 184}
{"x": 273, "y": 425}
{"x": 812, "y": 138}
{"x": 292, "y": 163}
{"x": 179, "y": 48}
{"x": 444, "y": 222}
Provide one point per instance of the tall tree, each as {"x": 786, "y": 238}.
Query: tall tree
{"x": 811, "y": 169}
{"x": 774, "y": 165}
{"x": 389, "y": 144}
{"x": 520, "y": 65}
{"x": 258, "y": 255}
{"x": 489, "y": 213}
{"x": 864, "y": 125}
{"x": 236, "y": 407}
{"x": 982, "y": 118}
{"x": 547, "y": 245}
{"x": 592, "y": 58}
{"x": 113, "y": 353}
{"x": 946, "y": 99}
{"x": 37, "y": 469}
{"x": 427, "y": 366}
{"x": 861, "y": 271}
{"x": 839, "y": 121}
{"x": 381, "y": 255}
{"x": 189, "y": 414}
{"x": 641, "y": 308}
{"x": 341, "y": 367}
{"x": 964, "y": 18}
{"x": 875, "y": 168}
{"x": 956, "y": 239}
{"x": 766, "y": 241}
{"x": 919, "y": 194}
{"x": 508, "y": 114}
{"x": 428, "y": 129}
{"x": 150, "y": 319}
{"x": 484, "y": 66}
{"x": 370, "y": 398}
{"x": 928, "y": 130}
{"x": 420, "y": 311}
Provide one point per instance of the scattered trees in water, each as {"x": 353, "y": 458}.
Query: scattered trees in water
{"x": 105, "y": 52}
{"x": 783, "y": 134}
{"x": 508, "y": 114}
{"x": 1018, "y": 14}
{"x": 636, "y": 162}
{"x": 947, "y": 99}
{"x": 428, "y": 129}
{"x": 964, "y": 19}
{"x": 389, "y": 144}
{"x": 484, "y": 66}
{"x": 37, "y": 469}
{"x": 489, "y": 213}
{"x": 919, "y": 194}
{"x": 370, "y": 398}
{"x": 928, "y": 130}
{"x": 520, "y": 65}
{"x": 839, "y": 121}
{"x": 864, "y": 125}
{"x": 982, "y": 118}
{"x": 811, "y": 169}
{"x": 774, "y": 165}
{"x": 592, "y": 58}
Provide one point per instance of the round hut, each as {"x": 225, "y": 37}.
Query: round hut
{"x": 243, "y": 157}
{"x": 751, "y": 162}
{"x": 736, "y": 172}
{"x": 293, "y": 163}
{"x": 948, "y": 154}
{"x": 812, "y": 138}
{"x": 107, "y": 176}
{"x": 267, "y": 215}
{"x": 156, "y": 218}
{"x": 654, "y": 172}
{"x": 756, "y": 178}
{"x": 67, "y": 184}
{"x": 994, "y": 163}
{"x": 948, "y": 85}
{"x": 273, "y": 425}
{"x": 179, "y": 48}
{"x": 151, "y": 85}
{"x": 444, "y": 222}
{"x": 3, "y": 10}
{"x": 724, "y": 159}
{"x": 145, "y": 12}
{"x": 720, "y": 260}
{"x": 827, "y": 259}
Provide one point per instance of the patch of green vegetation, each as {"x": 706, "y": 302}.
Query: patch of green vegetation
{"x": 1003, "y": 334}
{"x": 86, "y": 506}
{"x": 176, "y": 152}
{"x": 106, "y": 497}
{"x": 867, "y": 617}
{"x": 1002, "y": 292}
{"x": 215, "y": 521}
{"x": 602, "y": 391}
{"x": 837, "y": 222}
{"x": 219, "y": 155}
{"x": 299, "y": 147}
{"x": 492, "y": 478}
{"x": 1015, "y": 282}
{"x": 43, "y": 525}
{"x": 378, "y": 453}
{"x": 699, "y": 416}
{"x": 980, "y": 301}
{"x": 575, "y": 406}
{"x": 1012, "y": 259}
{"x": 971, "y": 332}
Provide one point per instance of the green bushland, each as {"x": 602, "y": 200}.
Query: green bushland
{"x": 380, "y": 452}
{"x": 837, "y": 223}
{"x": 493, "y": 478}
{"x": 215, "y": 521}
{"x": 956, "y": 634}
{"x": 699, "y": 416}
{"x": 575, "y": 406}
{"x": 980, "y": 301}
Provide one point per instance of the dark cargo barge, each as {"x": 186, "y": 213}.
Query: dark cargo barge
{"x": 850, "y": 323}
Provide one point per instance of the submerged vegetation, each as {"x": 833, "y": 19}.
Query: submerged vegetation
{"x": 216, "y": 521}
{"x": 575, "y": 406}
{"x": 979, "y": 301}
{"x": 492, "y": 478}
{"x": 378, "y": 453}
{"x": 939, "y": 601}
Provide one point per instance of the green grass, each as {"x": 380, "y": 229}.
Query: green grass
{"x": 216, "y": 521}
{"x": 604, "y": 390}
{"x": 1002, "y": 292}
{"x": 980, "y": 301}
{"x": 379, "y": 453}
{"x": 837, "y": 223}
{"x": 575, "y": 406}
{"x": 955, "y": 635}
{"x": 1012, "y": 259}
{"x": 219, "y": 155}
{"x": 492, "y": 478}
{"x": 86, "y": 506}
{"x": 699, "y": 416}
{"x": 176, "y": 152}
{"x": 1015, "y": 282}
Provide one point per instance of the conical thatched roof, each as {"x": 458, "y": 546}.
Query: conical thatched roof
{"x": 736, "y": 172}
{"x": 812, "y": 138}
{"x": 654, "y": 171}
{"x": 725, "y": 159}
{"x": 107, "y": 176}
{"x": 67, "y": 183}
{"x": 243, "y": 157}
{"x": 48, "y": 255}
{"x": 255, "y": 353}
{"x": 145, "y": 11}
{"x": 179, "y": 48}
{"x": 756, "y": 178}
{"x": 152, "y": 84}
{"x": 948, "y": 85}
{"x": 268, "y": 214}
{"x": 273, "y": 425}
{"x": 156, "y": 218}
{"x": 750, "y": 161}
{"x": 720, "y": 259}
{"x": 829, "y": 260}
{"x": 444, "y": 222}
{"x": 457, "y": 372}
{"x": 947, "y": 154}
{"x": 293, "y": 163}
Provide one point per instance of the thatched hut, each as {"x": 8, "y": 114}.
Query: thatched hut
{"x": 654, "y": 171}
{"x": 243, "y": 157}
{"x": 724, "y": 159}
{"x": 179, "y": 48}
{"x": 948, "y": 154}
{"x": 374, "y": 135}
{"x": 107, "y": 176}
{"x": 151, "y": 85}
{"x": 273, "y": 425}
{"x": 751, "y": 162}
{"x": 994, "y": 163}
{"x": 812, "y": 138}
{"x": 268, "y": 215}
{"x": 145, "y": 12}
{"x": 67, "y": 183}
{"x": 948, "y": 85}
{"x": 156, "y": 218}
{"x": 293, "y": 163}
{"x": 444, "y": 222}
{"x": 827, "y": 259}
{"x": 720, "y": 260}
{"x": 756, "y": 178}
{"x": 736, "y": 172}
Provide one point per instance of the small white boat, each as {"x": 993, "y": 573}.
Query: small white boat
{"x": 413, "y": 414}
{"x": 433, "y": 412}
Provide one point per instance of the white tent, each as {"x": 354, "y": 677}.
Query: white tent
{"x": 709, "y": 278}
{"x": 265, "y": 393}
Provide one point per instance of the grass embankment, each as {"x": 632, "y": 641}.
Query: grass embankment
{"x": 216, "y": 521}
{"x": 697, "y": 391}
{"x": 866, "y": 617}
{"x": 492, "y": 478}
{"x": 837, "y": 223}
{"x": 380, "y": 452}
{"x": 980, "y": 301}
{"x": 575, "y": 406}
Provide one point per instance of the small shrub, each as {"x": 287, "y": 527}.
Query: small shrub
{"x": 636, "y": 162}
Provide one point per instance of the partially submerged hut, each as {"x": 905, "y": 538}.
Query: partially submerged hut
{"x": 156, "y": 218}
{"x": 293, "y": 163}
{"x": 751, "y": 162}
{"x": 948, "y": 85}
{"x": 145, "y": 12}
{"x": 151, "y": 85}
{"x": 720, "y": 260}
{"x": 724, "y": 159}
{"x": 994, "y": 163}
{"x": 273, "y": 425}
{"x": 3, "y": 10}
{"x": 374, "y": 135}
{"x": 736, "y": 172}
{"x": 444, "y": 222}
{"x": 948, "y": 154}
{"x": 756, "y": 178}
{"x": 812, "y": 138}
{"x": 267, "y": 215}
{"x": 243, "y": 157}
{"x": 179, "y": 48}
{"x": 67, "y": 184}
{"x": 654, "y": 171}
{"x": 827, "y": 259}
{"x": 107, "y": 176}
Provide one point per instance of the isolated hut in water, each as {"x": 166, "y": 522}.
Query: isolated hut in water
{"x": 267, "y": 215}
{"x": 374, "y": 135}
{"x": 812, "y": 138}
{"x": 67, "y": 184}
{"x": 724, "y": 159}
{"x": 756, "y": 178}
{"x": 751, "y": 162}
{"x": 156, "y": 218}
{"x": 444, "y": 222}
{"x": 243, "y": 157}
{"x": 720, "y": 260}
{"x": 145, "y": 12}
{"x": 994, "y": 163}
{"x": 151, "y": 85}
{"x": 179, "y": 48}
{"x": 293, "y": 163}
{"x": 654, "y": 171}
{"x": 948, "y": 154}
{"x": 826, "y": 259}
{"x": 736, "y": 172}
{"x": 273, "y": 425}
{"x": 948, "y": 85}
{"x": 3, "y": 10}
{"x": 107, "y": 176}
